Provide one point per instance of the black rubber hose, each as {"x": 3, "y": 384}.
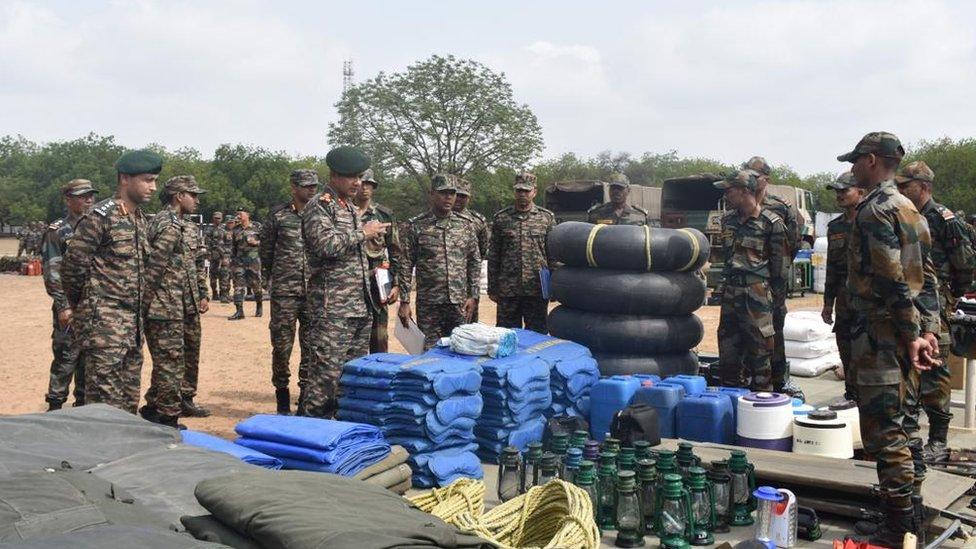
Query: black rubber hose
{"x": 626, "y": 334}
{"x": 627, "y": 292}
{"x": 628, "y": 247}
{"x": 672, "y": 364}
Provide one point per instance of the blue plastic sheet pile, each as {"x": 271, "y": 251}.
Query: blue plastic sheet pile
{"x": 573, "y": 371}
{"x": 243, "y": 453}
{"x": 427, "y": 404}
{"x": 313, "y": 444}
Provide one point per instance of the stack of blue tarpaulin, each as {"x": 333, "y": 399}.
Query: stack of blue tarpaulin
{"x": 313, "y": 444}
{"x": 573, "y": 371}
{"x": 243, "y": 453}
{"x": 427, "y": 404}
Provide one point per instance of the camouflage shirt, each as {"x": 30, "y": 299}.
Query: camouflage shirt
{"x": 213, "y": 238}
{"x": 103, "y": 276}
{"x": 243, "y": 251}
{"x": 835, "y": 284}
{"x": 753, "y": 248}
{"x": 385, "y": 249}
{"x": 282, "y": 251}
{"x": 174, "y": 285}
{"x": 479, "y": 225}
{"x": 952, "y": 252}
{"x": 55, "y": 243}
{"x": 792, "y": 222}
{"x": 518, "y": 251}
{"x": 445, "y": 253}
{"x": 604, "y": 214}
{"x": 889, "y": 276}
{"x": 333, "y": 234}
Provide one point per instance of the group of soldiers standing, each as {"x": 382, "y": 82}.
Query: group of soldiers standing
{"x": 29, "y": 239}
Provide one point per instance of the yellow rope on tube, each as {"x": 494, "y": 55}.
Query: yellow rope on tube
{"x": 589, "y": 245}
{"x": 647, "y": 245}
{"x": 695, "y": 249}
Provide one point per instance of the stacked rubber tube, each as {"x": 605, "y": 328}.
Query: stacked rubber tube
{"x": 427, "y": 404}
{"x": 629, "y": 294}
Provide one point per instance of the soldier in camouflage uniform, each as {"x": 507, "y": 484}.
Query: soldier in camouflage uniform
{"x": 382, "y": 253}
{"x": 192, "y": 339}
{"x": 479, "y": 225}
{"x": 338, "y": 291}
{"x": 176, "y": 296}
{"x": 617, "y": 211}
{"x": 286, "y": 270}
{"x": 894, "y": 325}
{"x": 794, "y": 238}
{"x": 226, "y": 261}
{"x": 836, "y": 297}
{"x": 79, "y": 197}
{"x": 246, "y": 263}
{"x": 103, "y": 277}
{"x": 444, "y": 249}
{"x": 952, "y": 256}
{"x": 753, "y": 247}
{"x": 515, "y": 257}
{"x": 214, "y": 235}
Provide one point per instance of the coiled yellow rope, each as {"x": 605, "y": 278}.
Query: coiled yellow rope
{"x": 461, "y": 496}
{"x": 557, "y": 514}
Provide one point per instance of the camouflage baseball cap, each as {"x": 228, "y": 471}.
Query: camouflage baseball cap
{"x": 77, "y": 187}
{"x": 443, "y": 182}
{"x": 878, "y": 143}
{"x": 525, "y": 181}
{"x": 619, "y": 180}
{"x": 742, "y": 178}
{"x": 844, "y": 181}
{"x": 916, "y": 171}
{"x": 757, "y": 164}
{"x": 304, "y": 178}
{"x": 182, "y": 183}
{"x": 463, "y": 186}
{"x": 369, "y": 178}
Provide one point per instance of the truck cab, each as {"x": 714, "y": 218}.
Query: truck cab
{"x": 570, "y": 200}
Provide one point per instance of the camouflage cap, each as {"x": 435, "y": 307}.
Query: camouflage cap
{"x": 878, "y": 143}
{"x": 742, "y": 178}
{"x": 182, "y": 183}
{"x": 304, "y": 178}
{"x": 844, "y": 181}
{"x": 139, "y": 162}
{"x": 757, "y": 164}
{"x": 525, "y": 181}
{"x": 463, "y": 186}
{"x": 368, "y": 177}
{"x": 443, "y": 182}
{"x": 916, "y": 171}
{"x": 618, "y": 179}
{"x": 217, "y": 214}
{"x": 77, "y": 187}
{"x": 347, "y": 161}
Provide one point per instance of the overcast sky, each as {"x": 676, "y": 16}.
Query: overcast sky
{"x": 796, "y": 81}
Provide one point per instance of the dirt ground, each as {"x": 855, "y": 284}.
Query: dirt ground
{"x": 235, "y": 361}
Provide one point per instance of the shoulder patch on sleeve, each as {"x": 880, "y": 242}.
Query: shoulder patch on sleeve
{"x": 105, "y": 207}
{"x": 326, "y": 197}
{"x": 56, "y": 225}
{"x": 771, "y": 216}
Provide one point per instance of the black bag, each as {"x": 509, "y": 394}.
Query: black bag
{"x": 636, "y": 422}
{"x": 564, "y": 424}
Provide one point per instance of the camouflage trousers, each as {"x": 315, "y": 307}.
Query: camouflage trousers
{"x": 219, "y": 276}
{"x": 286, "y": 312}
{"x": 167, "y": 344}
{"x": 936, "y": 386}
{"x": 437, "y": 320}
{"x": 843, "y": 337}
{"x": 247, "y": 275}
{"x": 528, "y": 311}
{"x": 379, "y": 338}
{"x": 745, "y": 337}
{"x": 65, "y": 365}
{"x": 778, "y": 365}
{"x": 112, "y": 376}
{"x": 192, "y": 336}
{"x": 333, "y": 341}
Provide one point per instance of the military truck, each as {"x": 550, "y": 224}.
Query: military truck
{"x": 693, "y": 201}
{"x": 570, "y": 200}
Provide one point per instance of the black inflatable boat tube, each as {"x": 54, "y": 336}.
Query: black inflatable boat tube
{"x": 665, "y": 365}
{"x": 628, "y": 247}
{"x": 626, "y": 334}
{"x": 627, "y": 292}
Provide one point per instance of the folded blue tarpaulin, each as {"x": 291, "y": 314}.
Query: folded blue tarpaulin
{"x": 243, "y": 453}
{"x": 346, "y": 469}
{"x": 316, "y": 433}
{"x": 336, "y": 456}
{"x": 423, "y": 445}
{"x": 493, "y": 441}
{"x": 376, "y": 365}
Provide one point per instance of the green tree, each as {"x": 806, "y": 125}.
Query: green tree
{"x": 954, "y": 164}
{"x": 442, "y": 114}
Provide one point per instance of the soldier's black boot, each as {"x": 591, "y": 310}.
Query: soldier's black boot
{"x": 53, "y": 405}
{"x": 937, "y": 449}
{"x": 239, "y": 314}
{"x": 791, "y": 389}
{"x": 897, "y": 521}
{"x": 190, "y": 409}
{"x": 171, "y": 421}
{"x": 259, "y": 310}
{"x": 283, "y": 398}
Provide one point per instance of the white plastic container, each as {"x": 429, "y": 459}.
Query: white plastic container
{"x": 819, "y": 261}
{"x": 847, "y": 411}
{"x": 822, "y": 433}
{"x": 765, "y": 420}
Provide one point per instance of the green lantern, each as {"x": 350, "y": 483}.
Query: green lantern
{"x": 702, "y": 507}
{"x": 611, "y": 444}
{"x": 743, "y": 484}
{"x": 558, "y": 443}
{"x": 586, "y": 479}
{"x": 648, "y": 491}
{"x": 686, "y": 458}
{"x": 721, "y": 480}
{"x": 642, "y": 449}
{"x": 606, "y": 489}
{"x": 530, "y": 465}
{"x": 626, "y": 460}
{"x": 674, "y": 520}
{"x": 630, "y": 523}
{"x": 578, "y": 440}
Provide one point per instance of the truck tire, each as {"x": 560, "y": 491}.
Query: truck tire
{"x": 628, "y": 247}
{"x": 672, "y": 364}
{"x": 626, "y": 334}
{"x": 627, "y": 292}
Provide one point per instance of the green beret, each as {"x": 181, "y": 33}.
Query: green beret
{"x": 137, "y": 162}
{"x": 347, "y": 160}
